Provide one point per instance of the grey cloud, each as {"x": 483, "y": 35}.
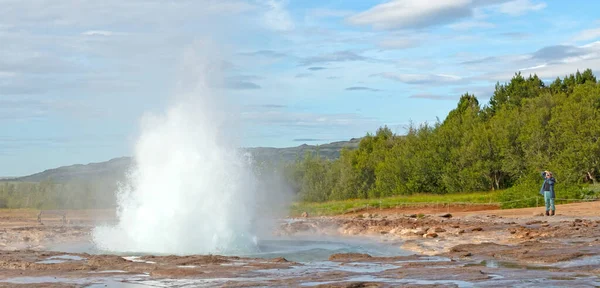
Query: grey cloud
{"x": 242, "y": 82}
{"x": 362, "y": 88}
{"x": 417, "y": 14}
{"x": 552, "y": 53}
{"x": 306, "y": 120}
{"x": 484, "y": 60}
{"x": 411, "y": 14}
{"x": 317, "y": 68}
{"x": 242, "y": 85}
{"x": 246, "y": 78}
{"x": 548, "y": 63}
{"x": 266, "y": 53}
{"x": 273, "y": 106}
{"x": 340, "y": 56}
{"x": 515, "y": 35}
{"x": 303, "y": 75}
{"x": 417, "y": 79}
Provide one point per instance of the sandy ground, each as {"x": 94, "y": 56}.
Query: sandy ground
{"x": 480, "y": 248}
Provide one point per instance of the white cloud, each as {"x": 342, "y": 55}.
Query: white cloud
{"x": 586, "y": 35}
{"x": 277, "y": 17}
{"x": 520, "y": 7}
{"x": 416, "y": 14}
{"x": 99, "y": 33}
{"x": 413, "y": 13}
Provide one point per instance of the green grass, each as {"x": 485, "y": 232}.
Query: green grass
{"x": 417, "y": 200}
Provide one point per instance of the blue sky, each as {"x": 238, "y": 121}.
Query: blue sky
{"x": 77, "y": 76}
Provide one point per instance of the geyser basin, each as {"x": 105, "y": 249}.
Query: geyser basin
{"x": 292, "y": 249}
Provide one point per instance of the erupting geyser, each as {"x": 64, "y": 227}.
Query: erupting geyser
{"x": 191, "y": 191}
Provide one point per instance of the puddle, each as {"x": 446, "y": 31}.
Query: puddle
{"x": 117, "y": 284}
{"x": 374, "y": 279}
{"x": 61, "y": 259}
{"x": 583, "y": 261}
{"x": 107, "y": 271}
{"x": 327, "y": 266}
{"x": 68, "y": 257}
{"x": 234, "y": 264}
{"x": 211, "y": 282}
{"x": 508, "y": 265}
{"x": 137, "y": 260}
{"x": 296, "y": 249}
{"x": 51, "y": 261}
{"x": 39, "y": 280}
{"x": 426, "y": 259}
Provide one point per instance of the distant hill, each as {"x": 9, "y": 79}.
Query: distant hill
{"x": 115, "y": 169}
{"x": 112, "y": 169}
{"x": 328, "y": 151}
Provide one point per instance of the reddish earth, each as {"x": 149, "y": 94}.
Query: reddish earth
{"x": 473, "y": 246}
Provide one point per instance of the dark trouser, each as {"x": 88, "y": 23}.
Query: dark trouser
{"x": 549, "y": 201}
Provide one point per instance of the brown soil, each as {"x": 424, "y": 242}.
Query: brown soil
{"x": 475, "y": 244}
{"x": 574, "y": 209}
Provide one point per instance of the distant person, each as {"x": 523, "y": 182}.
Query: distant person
{"x": 548, "y": 192}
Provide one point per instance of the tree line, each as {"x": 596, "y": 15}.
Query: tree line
{"x": 52, "y": 195}
{"x": 528, "y": 126}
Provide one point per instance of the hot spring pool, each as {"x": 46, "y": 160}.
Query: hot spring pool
{"x": 293, "y": 249}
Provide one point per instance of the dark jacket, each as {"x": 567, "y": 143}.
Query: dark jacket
{"x": 550, "y": 181}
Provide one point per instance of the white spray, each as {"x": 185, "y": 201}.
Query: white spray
{"x": 190, "y": 191}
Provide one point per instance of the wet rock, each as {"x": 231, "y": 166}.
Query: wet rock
{"x": 460, "y": 232}
{"x": 468, "y": 254}
{"x": 577, "y": 220}
{"x": 420, "y": 231}
{"x": 446, "y": 215}
{"x": 439, "y": 230}
{"x": 477, "y": 229}
{"x": 279, "y": 260}
{"x": 430, "y": 235}
{"x": 349, "y": 257}
{"x": 538, "y": 214}
{"x": 175, "y": 272}
{"x": 367, "y": 215}
{"x": 455, "y": 226}
{"x": 411, "y": 215}
{"x": 533, "y": 222}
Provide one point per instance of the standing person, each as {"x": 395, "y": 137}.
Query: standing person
{"x": 547, "y": 191}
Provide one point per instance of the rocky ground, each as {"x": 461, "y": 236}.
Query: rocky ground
{"x": 492, "y": 248}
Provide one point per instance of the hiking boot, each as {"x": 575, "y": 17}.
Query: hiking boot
{"x": 552, "y": 213}
{"x": 547, "y": 213}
